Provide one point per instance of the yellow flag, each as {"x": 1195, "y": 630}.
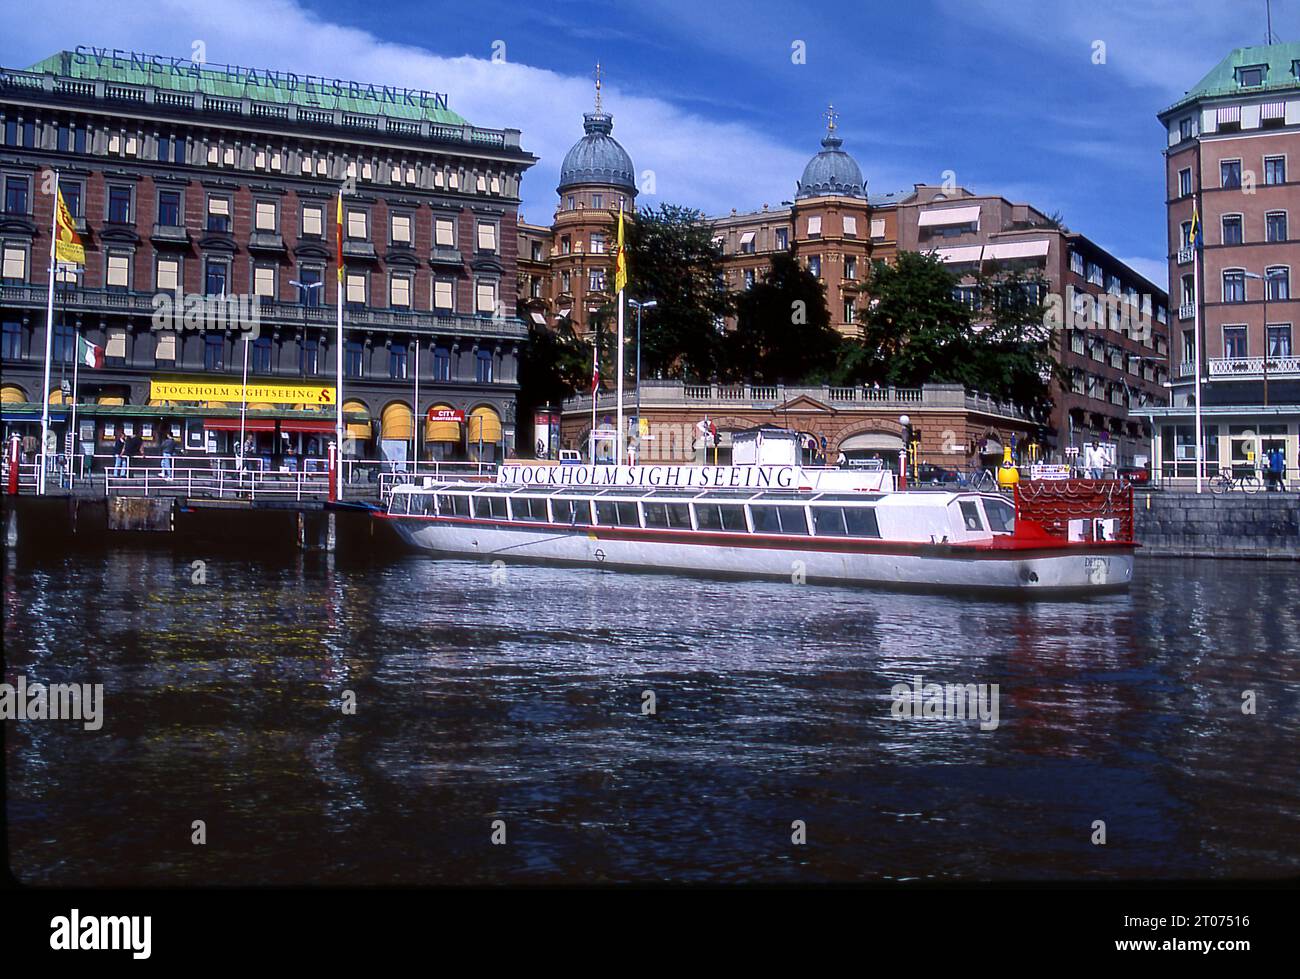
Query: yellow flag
{"x": 67, "y": 243}
{"x": 620, "y": 258}
{"x": 338, "y": 235}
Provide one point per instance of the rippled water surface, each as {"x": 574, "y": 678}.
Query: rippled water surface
{"x": 520, "y": 698}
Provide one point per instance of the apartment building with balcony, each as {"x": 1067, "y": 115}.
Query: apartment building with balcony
{"x": 222, "y": 181}
{"x": 1233, "y": 158}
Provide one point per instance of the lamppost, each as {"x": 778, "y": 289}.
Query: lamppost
{"x": 1268, "y": 274}
{"x": 906, "y": 423}
{"x": 638, "y": 306}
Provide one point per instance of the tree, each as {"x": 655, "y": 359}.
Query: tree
{"x": 783, "y": 328}
{"x": 1012, "y": 349}
{"x": 672, "y": 259}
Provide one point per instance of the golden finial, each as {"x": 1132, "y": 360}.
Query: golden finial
{"x": 831, "y": 116}
{"x": 598, "y": 108}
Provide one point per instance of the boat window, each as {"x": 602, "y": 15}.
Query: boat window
{"x": 453, "y": 505}
{"x": 676, "y": 516}
{"x": 490, "y": 506}
{"x": 970, "y": 514}
{"x": 828, "y": 521}
{"x": 779, "y": 519}
{"x": 721, "y": 516}
{"x": 861, "y": 521}
{"x": 1001, "y": 516}
{"x": 570, "y": 511}
{"x": 617, "y": 513}
{"x": 398, "y": 503}
{"x": 416, "y": 503}
{"x": 528, "y": 508}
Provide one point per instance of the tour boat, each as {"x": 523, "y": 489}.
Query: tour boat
{"x": 781, "y": 522}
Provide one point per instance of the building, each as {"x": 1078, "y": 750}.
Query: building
{"x": 190, "y": 180}
{"x": 1114, "y": 343}
{"x": 1233, "y": 149}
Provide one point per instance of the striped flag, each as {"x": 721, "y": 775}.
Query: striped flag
{"x": 1194, "y": 237}
{"x": 89, "y": 353}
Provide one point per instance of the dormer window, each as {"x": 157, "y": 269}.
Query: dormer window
{"x": 1251, "y": 77}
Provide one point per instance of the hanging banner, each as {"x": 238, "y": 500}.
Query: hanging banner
{"x": 232, "y": 392}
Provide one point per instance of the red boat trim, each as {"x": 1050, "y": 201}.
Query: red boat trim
{"x": 999, "y": 548}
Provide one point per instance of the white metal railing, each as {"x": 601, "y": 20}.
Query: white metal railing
{"x": 1187, "y": 311}
{"x": 441, "y": 471}
{"x": 1252, "y": 366}
{"x": 1184, "y": 256}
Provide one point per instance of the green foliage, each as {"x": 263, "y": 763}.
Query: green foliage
{"x": 783, "y": 331}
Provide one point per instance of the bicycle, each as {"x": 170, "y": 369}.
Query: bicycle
{"x": 980, "y": 481}
{"x": 1227, "y": 481}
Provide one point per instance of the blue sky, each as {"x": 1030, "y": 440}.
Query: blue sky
{"x": 1003, "y": 93}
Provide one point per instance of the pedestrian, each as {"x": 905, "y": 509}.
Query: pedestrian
{"x": 119, "y": 455}
{"x": 1277, "y": 469}
{"x": 168, "y": 452}
{"x": 134, "y": 447}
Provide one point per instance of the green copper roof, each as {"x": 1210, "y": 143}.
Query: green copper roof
{"x": 264, "y": 85}
{"x": 1222, "y": 79}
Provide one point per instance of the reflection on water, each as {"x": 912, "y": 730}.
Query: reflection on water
{"x": 521, "y": 700}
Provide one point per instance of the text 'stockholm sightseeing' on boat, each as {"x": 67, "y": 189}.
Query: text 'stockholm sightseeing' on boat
{"x": 782, "y": 521}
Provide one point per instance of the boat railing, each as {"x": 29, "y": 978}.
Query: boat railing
{"x": 1077, "y": 509}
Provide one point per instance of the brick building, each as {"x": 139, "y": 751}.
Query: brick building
{"x": 222, "y": 181}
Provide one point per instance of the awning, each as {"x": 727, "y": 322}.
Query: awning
{"x": 397, "y": 421}
{"x": 110, "y": 399}
{"x": 960, "y": 255}
{"x": 232, "y": 424}
{"x": 1272, "y": 110}
{"x": 946, "y": 216}
{"x": 11, "y": 394}
{"x": 1229, "y": 113}
{"x": 32, "y": 414}
{"x": 57, "y": 398}
{"x": 312, "y": 427}
{"x": 747, "y": 238}
{"x": 815, "y": 225}
{"x": 357, "y": 430}
{"x": 440, "y": 430}
{"x": 484, "y": 425}
{"x": 260, "y": 406}
{"x": 866, "y": 441}
{"x": 1017, "y": 249}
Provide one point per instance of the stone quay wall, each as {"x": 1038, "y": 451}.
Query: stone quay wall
{"x": 1181, "y": 524}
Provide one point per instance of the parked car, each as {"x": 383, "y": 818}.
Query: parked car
{"x": 1137, "y": 475}
{"x": 931, "y": 475}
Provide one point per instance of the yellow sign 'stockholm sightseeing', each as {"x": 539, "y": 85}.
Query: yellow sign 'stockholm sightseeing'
{"x": 234, "y": 392}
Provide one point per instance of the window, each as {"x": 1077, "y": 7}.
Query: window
{"x": 356, "y": 289}
{"x": 597, "y": 280}
{"x": 1232, "y": 229}
{"x": 597, "y": 200}
{"x": 674, "y": 516}
{"x": 219, "y": 214}
{"x": 1275, "y": 226}
{"x": 1275, "y": 169}
{"x": 397, "y": 363}
{"x": 357, "y": 220}
{"x": 850, "y": 267}
{"x": 782, "y": 238}
{"x": 485, "y": 297}
{"x": 309, "y": 294}
{"x": 749, "y": 278}
{"x": 597, "y": 243}
{"x": 1076, "y": 263}
{"x": 119, "y": 205}
{"x": 970, "y": 515}
{"x": 849, "y": 311}
{"x": 401, "y": 229}
{"x": 313, "y": 216}
{"x": 216, "y": 277}
{"x": 169, "y": 208}
{"x": 1279, "y": 340}
{"x": 117, "y": 271}
{"x": 1234, "y": 286}
{"x": 444, "y": 233}
{"x": 721, "y": 516}
{"x": 309, "y": 357}
{"x": 441, "y": 364}
{"x": 264, "y": 281}
{"x": 1185, "y": 183}
{"x": 168, "y": 275}
{"x": 13, "y": 265}
{"x": 487, "y": 237}
{"x": 15, "y": 195}
{"x": 850, "y": 226}
{"x": 1234, "y": 342}
{"x": 260, "y": 356}
{"x": 1185, "y": 235}
{"x": 617, "y": 513}
{"x": 65, "y": 344}
{"x": 1250, "y": 77}
{"x": 214, "y": 353}
{"x": 354, "y": 361}
{"x": 11, "y": 348}
{"x": 834, "y": 521}
{"x": 1230, "y": 174}
{"x": 399, "y": 291}
{"x": 443, "y": 297}
{"x": 1185, "y": 128}
{"x": 483, "y": 363}
{"x": 1278, "y": 283}
{"x": 537, "y": 251}
{"x": 779, "y": 519}
{"x": 72, "y": 197}
{"x": 815, "y": 226}
{"x": 815, "y": 265}
{"x": 564, "y": 282}
{"x": 1189, "y": 347}
{"x": 264, "y": 218}
{"x": 566, "y": 244}
{"x": 1189, "y": 290}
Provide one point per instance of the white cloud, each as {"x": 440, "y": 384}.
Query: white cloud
{"x": 695, "y": 161}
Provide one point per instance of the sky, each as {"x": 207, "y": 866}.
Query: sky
{"x": 721, "y": 103}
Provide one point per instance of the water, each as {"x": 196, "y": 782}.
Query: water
{"x": 520, "y": 699}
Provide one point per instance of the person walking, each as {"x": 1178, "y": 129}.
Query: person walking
{"x": 1277, "y": 469}
{"x": 119, "y": 456}
{"x": 134, "y": 446}
{"x": 168, "y": 453}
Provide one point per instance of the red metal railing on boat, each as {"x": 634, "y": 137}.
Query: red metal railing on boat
{"x": 1048, "y": 505}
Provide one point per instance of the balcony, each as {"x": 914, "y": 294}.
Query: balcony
{"x": 358, "y": 249}
{"x": 266, "y": 241}
{"x": 442, "y": 255}
{"x": 1252, "y": 368}
{"x": 1187, "y": 311}
{"x": 1185, "y": 256}
{"x": 170, "y": 234}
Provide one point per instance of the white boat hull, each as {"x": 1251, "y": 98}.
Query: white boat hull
{"x": 1075, "y": 568}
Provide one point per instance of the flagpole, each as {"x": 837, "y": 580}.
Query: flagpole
{"x": 72, "y": 425}
{"x": 620, "y": 259}
{"x": 595, "y": 386}
{"x": 243, "y": 403}
{"x": 49, "y": 341}
{"x": 1197, "y": 238}
{"x": 415, "y": 415}
{"x": 338, "y": 367}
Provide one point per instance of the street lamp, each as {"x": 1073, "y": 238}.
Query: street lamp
{"x": 638, "y": 306}
{"x": 906, "y": 423}
{"x": 1268, "y": 274}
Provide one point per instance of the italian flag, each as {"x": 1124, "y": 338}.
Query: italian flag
{"x": 89, "y": 354}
